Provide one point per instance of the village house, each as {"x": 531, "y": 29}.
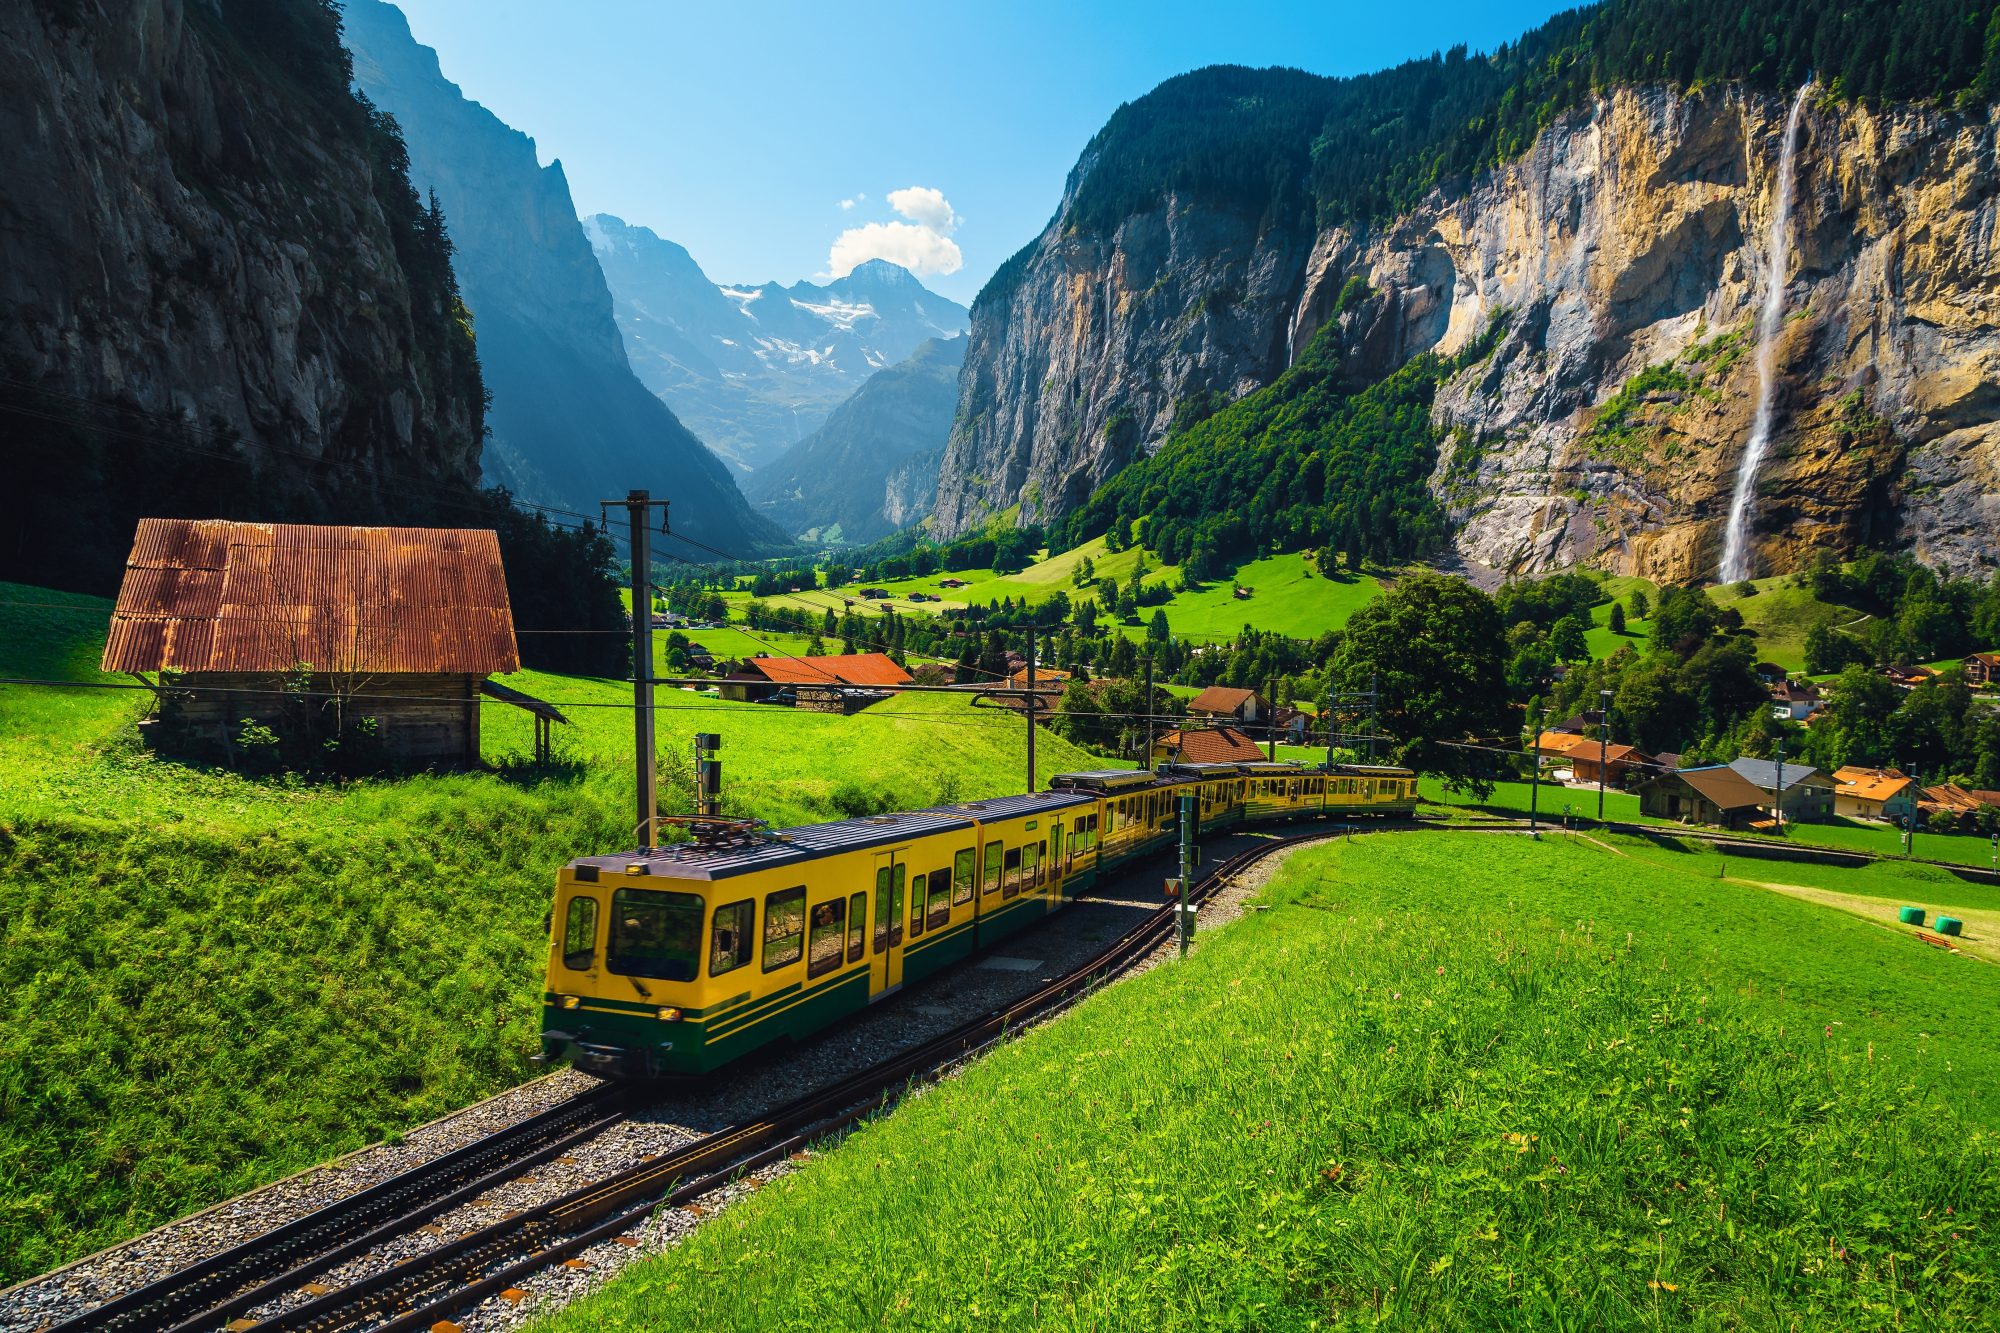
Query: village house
{"x": 1619, "y": 762}
{"x": 1794, "y": 700}
{"x": 1290, "y": 725}
{"x": 1209, "y": 745}
{"x": 1907, "y": 677}
{"x": 1982, "y": 670}
{"x": 1808, "y": 793}
{"x": 301, "y": 628}
{"x": 1961, "y": 803}
{"x": 1221, "y": 702}
{"x": 1557, "y": 745}
{"x": 836, "y": 683}
{"x": 1715, "y": 795}
{"x": 1585, "y": 723}
{"x": 1873, "y": 793}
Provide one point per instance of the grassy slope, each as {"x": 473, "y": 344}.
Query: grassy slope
{"x": 1781, "y": 615}
{"x": 1567, "y": 1090}
{"x": 210, "y": 980}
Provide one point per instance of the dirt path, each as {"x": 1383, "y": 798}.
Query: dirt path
{"x": 1982, "y": 929}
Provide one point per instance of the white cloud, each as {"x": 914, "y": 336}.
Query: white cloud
{"x": 922, "y": 244}
{"x": 846, "y": 204}
{"x": 922, "y": 250}
{"x": 925, "y": 207}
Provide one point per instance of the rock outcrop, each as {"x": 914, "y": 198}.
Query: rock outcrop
{"x": 571, "y": 423}
{"x": 1625, "y": 253}
{"x": 872, "y": 468}
{"x": 214, "y": 297}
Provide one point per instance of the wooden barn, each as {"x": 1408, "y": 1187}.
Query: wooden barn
{"x": 398, "y": 625}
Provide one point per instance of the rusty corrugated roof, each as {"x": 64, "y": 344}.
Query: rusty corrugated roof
{"x": 212, "y": 595}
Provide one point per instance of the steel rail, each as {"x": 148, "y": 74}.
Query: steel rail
{"x": 212, "y": 1290}
{"x": 426, "y": 1289}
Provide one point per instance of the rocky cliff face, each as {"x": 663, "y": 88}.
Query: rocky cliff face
{"x": 203, "y": 298}
{"x": 570, "y": 422}
{"x": 1626, "y": 253}
{"x": 757, "y": 369}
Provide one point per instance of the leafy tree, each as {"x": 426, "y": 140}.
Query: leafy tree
{"x": 1640, "y": 604}
{"x": 1566, "y": 639}
{"x": 1616, "y": 621}
{"x": 1433, "y": 646}
{"x": 1853, "y": 726}
{"x": 1157, "y": 630}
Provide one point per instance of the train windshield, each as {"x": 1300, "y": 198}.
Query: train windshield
{"x": 654, "y": 934}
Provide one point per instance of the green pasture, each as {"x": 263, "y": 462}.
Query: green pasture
{"x": 1445, "y": 1081}
{"x": 209, "y": 979}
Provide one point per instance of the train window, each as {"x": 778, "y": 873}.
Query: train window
{"x": 784, "y": 927}
{"x": 993, "y": 853}
{"x": 829, "y": 932}
{"x": 940, "y": 907}
{"x": 917, "y": 888}
{"x": 1090, "y": 832}
{"x": 1042, "y": 860}
{"x": 961, "y": 878}
{"x": 580, "y": 934}
{"x": 882, "y": 910}
{"x": 857, "y": 926}
{"x": 1012, "y": 884}
{"x": 1031, "y": 865}
{"x": 729, "y": 946}
{"x": 655, "y": 934}
{"x": 897, "y": 875}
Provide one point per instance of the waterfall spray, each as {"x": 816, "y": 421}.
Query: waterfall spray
{"x": 1770, "y": 321}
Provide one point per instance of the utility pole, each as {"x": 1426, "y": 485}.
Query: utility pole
{"x": 1031, "y": 701}
{"x": 639, "y": 506}
{"x": 707, "y": 774}
{"x": 1374, "y": 707}
{"x": 1534, "y": 771}
{"x": 1146, "y": 758}
{"x": 1271, "y": 722}
{"x": 1603, "y": 746}
{"x": 1780, "y": 803}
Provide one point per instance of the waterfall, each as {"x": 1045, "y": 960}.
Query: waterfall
{"x": 1770, "y": 321}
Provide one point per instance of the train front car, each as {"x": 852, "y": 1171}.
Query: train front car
{"x": 680, "y": 960}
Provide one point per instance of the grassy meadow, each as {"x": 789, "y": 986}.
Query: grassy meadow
{"x": 209, "y": 980}
{"x": 1439, "y": 1083}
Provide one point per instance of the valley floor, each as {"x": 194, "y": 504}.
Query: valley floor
{"x": 1445, "y": 1080}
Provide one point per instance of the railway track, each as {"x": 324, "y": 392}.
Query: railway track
{"x": 229, "y": 1289}
{"x": 207, "y": 1294}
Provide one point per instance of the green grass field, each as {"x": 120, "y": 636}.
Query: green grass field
{"x": 1445, "y": 1081}
{"x": 209, "y": 980}
{"x": 1781, "y": 615}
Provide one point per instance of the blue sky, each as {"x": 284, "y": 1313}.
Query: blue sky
{"x": 739, "y": 127}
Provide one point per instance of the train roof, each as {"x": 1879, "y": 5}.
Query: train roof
{"x": 1272, "y": 767}
{"x": 1200, "y": 770}
{"x": 1105, "y": 779}
{"x": 690, "y": 860}
{"x": 1376, "y": 770}
{"x": 808, "y": 842}
{"x": 1009, "y": 807}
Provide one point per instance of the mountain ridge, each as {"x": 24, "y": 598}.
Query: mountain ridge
{"x": 756, "y": 368}
{"x": 570, "y": 423}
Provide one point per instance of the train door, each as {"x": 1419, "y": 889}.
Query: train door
{"x": 891, "y": 885}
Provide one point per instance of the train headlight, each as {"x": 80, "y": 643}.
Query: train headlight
{"x": 670, "y": 1015}
{"x": 571, "y": 1001}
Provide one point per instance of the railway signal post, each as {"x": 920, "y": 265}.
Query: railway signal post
{"x": 639, "y": 506}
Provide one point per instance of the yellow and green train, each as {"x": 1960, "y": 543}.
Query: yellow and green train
{"x": 681, "y": 959}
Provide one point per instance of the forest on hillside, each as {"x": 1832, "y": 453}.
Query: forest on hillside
{"x": 1297, "y": 149}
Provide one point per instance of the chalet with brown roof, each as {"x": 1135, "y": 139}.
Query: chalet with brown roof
{"x": 1557, "y": 744}
{"x": 833, "y": 683}
{"x": 1619, "y": 762}
{"x": 1795, "y": 700}
{"x": 1962, "y": 803}
{"x": 1220, "y": 701}
{"x": 1716, "y": 795}
{"x": 1209, "y": 745}
{"x": 1908, "y": 677}
{"x": 308, "y": 630}
{"x": 1982, "y": 670}
{"x": 1873, "y": 793}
